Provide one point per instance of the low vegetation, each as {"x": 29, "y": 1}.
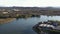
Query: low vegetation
{"x": 6, "y": 20}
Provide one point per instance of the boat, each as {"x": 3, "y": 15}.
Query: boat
{"x": 48, "y": 27}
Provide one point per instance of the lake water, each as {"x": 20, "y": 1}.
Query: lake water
{"x": 24, "y": 25}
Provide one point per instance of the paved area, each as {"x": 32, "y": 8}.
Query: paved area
{"x": 57, "y": 28}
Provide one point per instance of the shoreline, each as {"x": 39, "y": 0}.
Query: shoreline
{"x": 2, "y": 21}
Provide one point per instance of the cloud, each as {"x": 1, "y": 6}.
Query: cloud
{"x": 39, "y": 3}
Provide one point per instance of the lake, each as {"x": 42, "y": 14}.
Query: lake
{"x": 24, "y": 25}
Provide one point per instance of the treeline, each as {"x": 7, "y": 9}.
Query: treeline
{"x": 18, "y": 16}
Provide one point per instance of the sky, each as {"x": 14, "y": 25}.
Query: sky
{"x": 31, "y": 3}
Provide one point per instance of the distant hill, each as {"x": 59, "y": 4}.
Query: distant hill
{"x": 31, "y": 8}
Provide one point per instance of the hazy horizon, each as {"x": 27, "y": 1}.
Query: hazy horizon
{"x": 30, "y": 3}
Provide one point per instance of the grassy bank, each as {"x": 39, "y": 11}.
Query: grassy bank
{"x": 6, "y": 20}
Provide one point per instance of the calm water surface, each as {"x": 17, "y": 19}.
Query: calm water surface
{"x": 24, "y": 25}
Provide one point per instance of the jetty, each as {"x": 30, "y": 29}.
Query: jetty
{"x": 49, "y": 27}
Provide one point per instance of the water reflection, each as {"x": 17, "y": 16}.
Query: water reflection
{"x": 24, "y": 25}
